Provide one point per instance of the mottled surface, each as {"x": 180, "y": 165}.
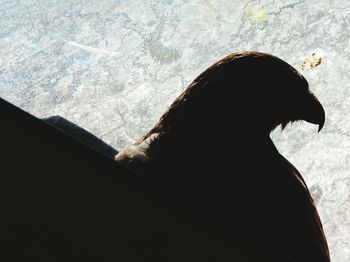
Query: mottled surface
{"x": 113, "y": 67}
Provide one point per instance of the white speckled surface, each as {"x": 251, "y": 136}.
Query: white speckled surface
{"x": 114, "y": 66}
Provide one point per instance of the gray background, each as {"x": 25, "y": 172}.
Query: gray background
{"x": 113, "y": 67}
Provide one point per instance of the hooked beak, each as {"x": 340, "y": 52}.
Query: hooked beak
{"x": 313, "y": 111}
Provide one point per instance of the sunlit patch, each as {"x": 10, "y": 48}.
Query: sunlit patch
{"x": 212, "y": 3}
{"x": 261, "y": 15}
{"x": 312, "y": 61}
{"x": 256, "y": 12}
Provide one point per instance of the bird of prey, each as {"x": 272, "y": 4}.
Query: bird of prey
{"x": 213, "y": 147}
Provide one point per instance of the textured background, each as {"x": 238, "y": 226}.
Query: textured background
{"x": 113, "y": 67}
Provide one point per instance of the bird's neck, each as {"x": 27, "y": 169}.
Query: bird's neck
{"x": 178, "y": 150}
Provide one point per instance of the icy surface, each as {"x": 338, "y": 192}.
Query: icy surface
{"x": 113, "y": 67}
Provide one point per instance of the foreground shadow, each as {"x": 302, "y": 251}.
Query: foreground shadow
{"x": 63, "y": 201}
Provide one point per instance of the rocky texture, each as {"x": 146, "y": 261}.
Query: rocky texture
{"x": 113, "y": 67}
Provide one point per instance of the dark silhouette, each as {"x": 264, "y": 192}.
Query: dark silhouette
{"x": 81, "y": 135}
{"x": 213, "y": 147}
{"x": 63, "y": 201}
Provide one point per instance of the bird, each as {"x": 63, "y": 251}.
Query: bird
{"x": 212, "y": 146}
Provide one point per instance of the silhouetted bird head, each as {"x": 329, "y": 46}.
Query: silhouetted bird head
{"x": 279, "y": 92}
{"x": 246, "y": 90}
